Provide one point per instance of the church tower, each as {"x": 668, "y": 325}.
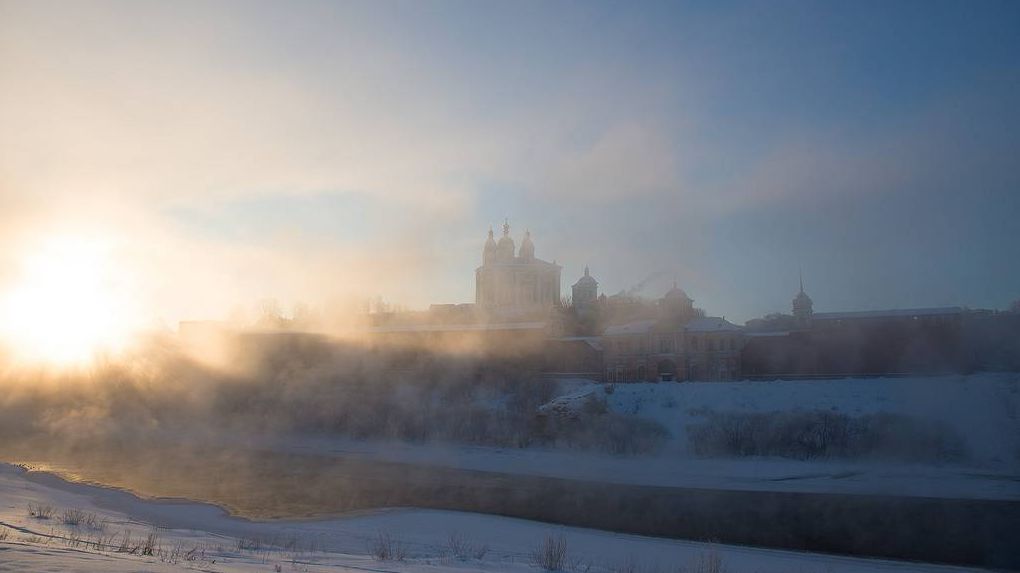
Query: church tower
{"x": 585, "y": 290}
{"x": 505, "y": 248}
{"x": 489, "y": 251}
{"x": 676, "y": 305}
{"x": 802, "y": 306}
{"x": 527, "y": 248}
{"x": 513, "y": 284}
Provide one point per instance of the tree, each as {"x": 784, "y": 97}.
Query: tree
{"x": 269, "y": 313}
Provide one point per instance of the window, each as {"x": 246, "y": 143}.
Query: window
{"x": 694, "y": 342}
{"x": 664, "y": 345}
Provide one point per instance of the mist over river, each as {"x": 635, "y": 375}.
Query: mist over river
{"x": 257, "y": 484}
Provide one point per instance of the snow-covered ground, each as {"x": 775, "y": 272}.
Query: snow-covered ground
{"x": 203, "y": 538}
{"x": 983, "y": 409}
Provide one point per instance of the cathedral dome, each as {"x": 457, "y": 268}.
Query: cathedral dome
{"x": 587, "y": 280}
{"x": 505, "y": 248}
{"x": 676, "y": 293}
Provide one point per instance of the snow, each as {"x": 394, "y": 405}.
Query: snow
{"x": 342, "y": 544}
{"x": 636, "y": 327}
{"x": 983, "y": 408}
{"x": 711, "y": 324}
{"x": 892, "y": 313}
{"x": 704, "y": 324}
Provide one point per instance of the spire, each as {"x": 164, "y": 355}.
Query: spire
{"x": 586, "y": 273}
{"x": 802, "y": 304}
{"x": 489, "y": 252}
{"x": 527, "y": 247}
{"x": 506, "y": 227}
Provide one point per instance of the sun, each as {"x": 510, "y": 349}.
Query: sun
{"x": 69, "y": 301}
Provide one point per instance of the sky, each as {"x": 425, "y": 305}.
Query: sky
{"x": 226, "y": 152}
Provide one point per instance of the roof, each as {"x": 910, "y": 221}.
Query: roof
{"x": 519, "y": 261}
{"x": 635, "y": 327}
{"x": 592, "y": 341}
{"x": 676, "y": 292}
{"x": 707, "y": 324}
{"x": 894, "y": 313}
{"x": 711, "y": 324}
{"x": 768, "y": 333}
{"x": 459, "y": 327}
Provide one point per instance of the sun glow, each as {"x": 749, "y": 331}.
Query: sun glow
{"x": 69, "y": 302}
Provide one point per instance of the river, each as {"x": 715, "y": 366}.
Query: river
{"x": 260, "y": 484}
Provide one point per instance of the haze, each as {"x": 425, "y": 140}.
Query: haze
{"x": 234, "y": 151}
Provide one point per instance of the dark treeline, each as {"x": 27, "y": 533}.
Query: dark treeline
{"x": 305, "y": 384}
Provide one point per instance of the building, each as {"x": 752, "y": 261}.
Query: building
{"x": 680, "y": 343}
{"x": 585, "y": 291}
{"x": 803, "y": 307}
{"x": 515, "y": 285}
{"x": 855, "y": 343}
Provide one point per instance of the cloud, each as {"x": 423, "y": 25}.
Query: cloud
{"x": 624, "y": 161}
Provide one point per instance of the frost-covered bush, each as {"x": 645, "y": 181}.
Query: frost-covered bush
{"x": 384, "y": 547}
{"x": 606, "y": 432}
{"x": 825, "y": 434}
{"x": 551, "y": 553}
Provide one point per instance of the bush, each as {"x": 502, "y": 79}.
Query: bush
{"x": 551, "y": 554}
{"x": 39, "y": 511}
{"x": 77, "y": 517}
{"x": 384, "y": 548}
{"x": 151, "y": 544}
{"x": 707, "y": 562}
{"x": 462, "y": 548}
{"x": 825, "y": 434}
{"x": 608, "y": 432}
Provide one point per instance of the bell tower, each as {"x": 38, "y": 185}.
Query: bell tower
{"x": 803, "y": 307}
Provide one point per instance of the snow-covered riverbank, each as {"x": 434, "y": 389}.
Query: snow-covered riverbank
{"x": 983, "y": 409}
{"x": 194, "y": 536}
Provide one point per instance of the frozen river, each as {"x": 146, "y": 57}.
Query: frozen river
{"x": 274, "y": 485}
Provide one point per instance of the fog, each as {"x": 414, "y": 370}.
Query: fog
{"x": 320, "y": 151}
{"x": 222, "y": 224}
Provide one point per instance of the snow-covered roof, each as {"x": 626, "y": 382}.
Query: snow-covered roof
{"x": 459, "y": 327}
{"x": 519, "y": 261}
{"x": 894, "y": 313}
{"x": 635, "y": 327}
{"x": 676, "y": 292}
{"x": 707, "y": 324}
{"x": 711, "y": 324}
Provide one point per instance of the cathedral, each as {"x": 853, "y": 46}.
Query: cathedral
{"x": 513, "y": 283}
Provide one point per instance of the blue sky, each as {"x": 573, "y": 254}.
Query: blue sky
{"x": 367, "y": 147}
